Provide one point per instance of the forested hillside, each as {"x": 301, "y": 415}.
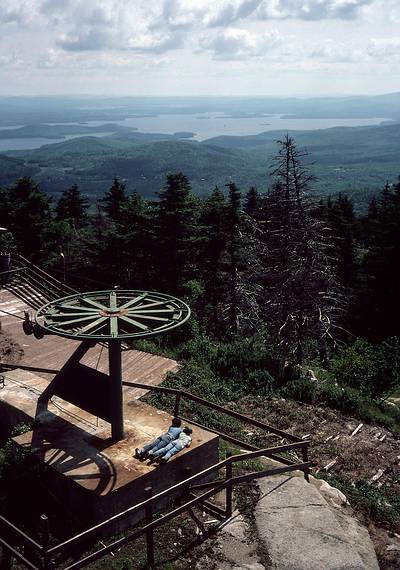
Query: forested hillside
{"x": 357, "y": 161}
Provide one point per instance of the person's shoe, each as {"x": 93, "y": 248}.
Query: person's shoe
{"x": 137, "y": 454}
{"x": 144, "y": 455}
{"x": 162, "y": 459}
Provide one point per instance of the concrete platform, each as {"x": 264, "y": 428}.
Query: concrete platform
{"x": 96, "y": 477}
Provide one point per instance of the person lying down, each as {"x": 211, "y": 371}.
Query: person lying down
{"x": 162, "y": 455}
{"x": 173, "y": 433}
{"x": 163, "y": 448}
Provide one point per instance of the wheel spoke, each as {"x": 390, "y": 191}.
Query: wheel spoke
{"x": 94, "y": 303}
{"x": 154, "y": 304}
{"x": 94, "y": 324}
{"x": 62, "y": 316}
{"x": 133, "y": 301}
{"x": 141, "y": 311}
{"x": 72, "y": 321}
{"x": 150, "y": 317}
{"x": 74, "y": 307}
{"x": 135, "y": 323}
{"x": 113, "y": 300}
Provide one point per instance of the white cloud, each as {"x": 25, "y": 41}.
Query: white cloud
{"x": 311, "y": 9}
{"x": 11, "y": 61}
{"x": 332, "y": 51}
{"x": 384, "y": 49}
{"x": 186, "y": 38}
{"x": 235, "y": 43}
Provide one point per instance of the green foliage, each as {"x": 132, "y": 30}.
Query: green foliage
{"x": 25, "y": 211}
{"x": 380, "y": 504}
{"x": 72, "y": 206}
{"x": 114, "y": 200}
{"x": 300, "y": 388}
{"x": 348, "y": 400}
{"x": 11, "y": 455}
{"x": 373, "y": 370}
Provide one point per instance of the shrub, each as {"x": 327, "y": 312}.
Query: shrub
{"x": 300, "y": 388}
{"x": 374, "y": 370}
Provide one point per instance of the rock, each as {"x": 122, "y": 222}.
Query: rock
{"x": 392, "y": 547}
{"x": 359, "y": 537}
{"x": 299, "y": 530}
{"x": 329, "y": 493}
{"x": 236, "y": 545}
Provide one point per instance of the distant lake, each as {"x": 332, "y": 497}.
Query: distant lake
{"x": 203, "y": 126}
{"x": 29, "y": 143}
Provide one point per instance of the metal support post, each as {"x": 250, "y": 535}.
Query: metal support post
{"x": 229, "y": 489}
{"x": 149, "y": 534}
{"x": 48, "y": 563}
{"x": 304, "y": 452}
{"x": 115, "y": 371}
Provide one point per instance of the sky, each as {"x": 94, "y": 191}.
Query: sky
{"x": 199, "y": 47}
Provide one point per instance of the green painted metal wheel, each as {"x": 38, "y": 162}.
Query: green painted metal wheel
{"x": 110, "y": 315}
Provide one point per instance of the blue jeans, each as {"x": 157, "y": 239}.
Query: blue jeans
{"x": 169, "y": 450}
{"x": 156, "y": 444}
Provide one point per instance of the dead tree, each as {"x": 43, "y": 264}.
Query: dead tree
{"x": 302, "y": 298}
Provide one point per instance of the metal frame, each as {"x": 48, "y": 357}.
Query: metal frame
{"x": 104, "y": 316}
{"x": 112, "y": 314}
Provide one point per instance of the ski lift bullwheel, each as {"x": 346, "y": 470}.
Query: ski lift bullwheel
{"x": 108, "y": 317}
{"x": 111, "y": 315}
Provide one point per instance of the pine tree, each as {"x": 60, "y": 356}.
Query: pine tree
{"x": 379, "y": 311}
{"x": 252, "y": 203}
{"x": 212, "y": 261}
{"x": 178, "y": 211}
{"x": 114, "y": 200}
{"x": 25, "y": 211}
{"x": 137, "y": 239}
{"x": 72, "y": 206}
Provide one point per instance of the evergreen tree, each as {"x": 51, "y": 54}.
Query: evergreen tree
{"x": 72, "y": 206}
{"x": 25, "y": 211}
{"x": 114, "y": 200}
{"x": 379, "y": 307}
{"x": 178, "y": 211}
{"x": 234, "y": 252}
{"x": 252, "y": 203}
{"x": 213, "y": 228}
{"x": 136, "y": 233}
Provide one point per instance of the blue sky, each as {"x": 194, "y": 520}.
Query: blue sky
{"x": 199, "y": 47}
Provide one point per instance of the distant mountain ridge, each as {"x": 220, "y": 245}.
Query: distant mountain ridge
{"x": 357, "y": 160}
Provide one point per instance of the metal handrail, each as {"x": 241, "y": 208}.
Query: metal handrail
{"x": 217, "y": 407}
{"x": 188, "y": 484}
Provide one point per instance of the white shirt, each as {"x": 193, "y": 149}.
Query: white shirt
{"x": 185, "y": 439}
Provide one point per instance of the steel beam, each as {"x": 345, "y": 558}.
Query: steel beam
{"x": 115, "y": 372}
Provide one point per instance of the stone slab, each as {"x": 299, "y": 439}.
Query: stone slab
{"x": 299, "y": 530}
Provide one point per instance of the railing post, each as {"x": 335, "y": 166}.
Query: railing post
{"x": 304, "y": 451}
{"x": 47, "y": 561}
{"x": 177, "y": 404}
{"x": 149, "y": 533}
{"x": 229, "y": 489}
